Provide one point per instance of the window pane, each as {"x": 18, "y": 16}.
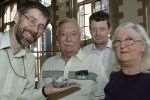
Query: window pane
{"x": 80, "y": 1}
{"x": 46, "y": 2}
{"x": 9, "y": 16}
{"x": 88, "y": 35}
{"x": 101, "y": 5}
{"x": 84, "y": 14}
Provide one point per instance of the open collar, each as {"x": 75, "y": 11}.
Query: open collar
{"x": 108, "y": 45}
{"x": 80, "y": 55}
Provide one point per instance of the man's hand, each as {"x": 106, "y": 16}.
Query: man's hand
{"x": 51, "y": 90}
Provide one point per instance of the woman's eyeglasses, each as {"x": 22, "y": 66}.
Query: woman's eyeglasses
{"x": 127, "y": 42}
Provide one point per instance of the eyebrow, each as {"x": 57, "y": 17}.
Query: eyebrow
{"x": 37, "y": 20}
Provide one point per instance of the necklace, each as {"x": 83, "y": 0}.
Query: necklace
{"x": 11, "y": 65}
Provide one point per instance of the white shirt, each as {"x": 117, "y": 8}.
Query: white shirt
{"x": 105, "y": 55}
{"x": 17, "y": 73}
{"x": 92, "y": 87}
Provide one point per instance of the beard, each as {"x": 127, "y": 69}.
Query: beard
{"x": 21, "y": 39}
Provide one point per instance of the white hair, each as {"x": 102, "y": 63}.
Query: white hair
{"x": 143, "y": 34}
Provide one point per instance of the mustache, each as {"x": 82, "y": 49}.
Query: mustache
{"x": 25, "y": 42}
{"x": 33, "y": 34}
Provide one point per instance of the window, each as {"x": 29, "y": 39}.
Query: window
{"x": 79, "y": 1}
{"x": 101, "y": 5}
{"x": 46, "y": 2}
{"x": 9, "y": 16}
{"x": 83, "y": 20}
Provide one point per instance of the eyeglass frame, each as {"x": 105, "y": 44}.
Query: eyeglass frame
{"x": 129, "y": 42}
{"x": 32, "y": 21}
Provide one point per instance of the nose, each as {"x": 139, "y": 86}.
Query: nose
{"x": 35, "y": 29}
{"x": 68, "y": 38}
{"x": 99, "y": 32}
{"x": 122, "y": 44}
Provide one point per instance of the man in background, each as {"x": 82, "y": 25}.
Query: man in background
{"x": 101, "y": 45}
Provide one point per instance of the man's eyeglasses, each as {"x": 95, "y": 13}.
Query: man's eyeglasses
{"x": 33, "y": 22}
{"x": 127, "y": 42}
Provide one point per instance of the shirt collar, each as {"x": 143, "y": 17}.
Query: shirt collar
{"x": 5, "y": 43}
{"x": 108, "y": 45}
{"x": 81, "y": 55}
{"x": 21, "y": 53}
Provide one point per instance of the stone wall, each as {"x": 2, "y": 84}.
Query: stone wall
{"x": 136, "y": 11}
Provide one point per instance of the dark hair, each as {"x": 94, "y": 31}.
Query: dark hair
{"x": 100, "y": 16}
{"x": 24, "y": 7}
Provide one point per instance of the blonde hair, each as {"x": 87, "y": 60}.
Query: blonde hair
{"x": 143, "y": 34}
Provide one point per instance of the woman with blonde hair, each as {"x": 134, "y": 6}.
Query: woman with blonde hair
{"x": 131, "y": 48}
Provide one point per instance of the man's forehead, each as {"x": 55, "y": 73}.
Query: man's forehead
{"x": 100, "y": 21}
{"x": 37, "y": 14}
{"x": 69, "y": 25}
{"x": 34, "y": 12}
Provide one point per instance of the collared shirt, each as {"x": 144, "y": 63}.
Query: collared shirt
{"x": 105, "y": 55}
{"x": 17, "y": 73}
{"x": 92, "y": 84}
{"x": 92, "y": 48}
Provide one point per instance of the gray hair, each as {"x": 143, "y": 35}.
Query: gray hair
{"x": 67, "y": 20}
{"x": 137, "y": 28}
{"x": 143, "y": 34}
